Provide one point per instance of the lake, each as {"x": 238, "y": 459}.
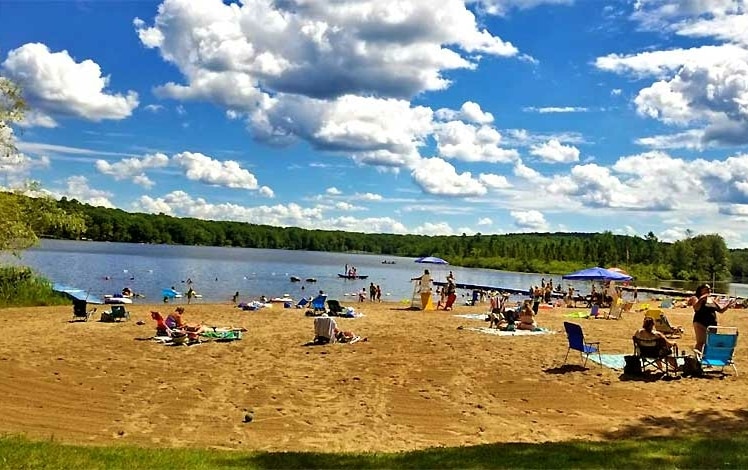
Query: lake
{"x": 218, "y": 272}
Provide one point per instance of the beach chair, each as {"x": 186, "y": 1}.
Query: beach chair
{"x": 652, "y": 353}
{"x": 575, "y": 336}
{"x": 302, "y": 303}
{"x": 719, "y": 348}
{"x": 334, "y": 307}
{"x": 618, "y": 309}
{"x": 662, "y": 324}
{"x": 80, "y": 310}
{"x": 318, "y": 303}
{"x": 118, "y": 312}
{"x": 324, "y": 329}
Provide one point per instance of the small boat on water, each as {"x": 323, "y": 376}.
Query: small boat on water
{"x": 352, "y": 276}
{"x": 387, "y": 262}
{"x": 295, "y": 279}
{"x": 311, "y": 279}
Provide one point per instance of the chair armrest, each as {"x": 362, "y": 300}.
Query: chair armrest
{"x": 592, "y": 342}
{"x": 698, "y": 354}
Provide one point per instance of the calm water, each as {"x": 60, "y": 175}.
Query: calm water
{"x": 217, "y": 272}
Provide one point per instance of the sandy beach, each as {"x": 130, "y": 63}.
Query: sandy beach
{"x": 418, "y": 381}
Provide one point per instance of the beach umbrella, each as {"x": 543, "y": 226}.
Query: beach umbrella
{"x": 431, "y": 260}
{"x": 617, "y": 270}
{"x": 596, "y": 274}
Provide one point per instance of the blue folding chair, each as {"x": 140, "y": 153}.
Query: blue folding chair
{"x": 575, "y": 335}
{"x": 719, "y": 348}
{"x": 318, "y": 303}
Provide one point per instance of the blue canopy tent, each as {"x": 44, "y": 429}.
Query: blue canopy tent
{"x": 596, "y": 274}
{"x": 75, "y": 293}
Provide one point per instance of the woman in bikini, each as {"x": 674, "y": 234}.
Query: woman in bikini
{"x": 527, "y": 317}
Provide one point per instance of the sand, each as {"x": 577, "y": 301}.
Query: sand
{"x": 418, "y": 381}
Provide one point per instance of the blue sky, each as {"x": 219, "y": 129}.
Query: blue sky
{"x": 449, "y": 117}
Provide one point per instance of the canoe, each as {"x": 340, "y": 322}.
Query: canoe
{"x": 357, "y": 276}
{"x": 295, "y": 279}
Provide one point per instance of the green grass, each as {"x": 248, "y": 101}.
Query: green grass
{"x": 681, "y": 452}
{"x": 21, "y": 287}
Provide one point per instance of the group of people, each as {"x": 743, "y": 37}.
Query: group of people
{"x": 174, "y": 325}
{"x": 705, "y": 308}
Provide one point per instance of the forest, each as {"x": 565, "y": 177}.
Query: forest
{"x": 700, "y": 257}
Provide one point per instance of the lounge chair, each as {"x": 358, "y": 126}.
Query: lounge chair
{"x": 719, "y": 348}
{"x": 653, "y": 353}
{"x": 302, "y": 303}
{"x": 80, "y": 310}
{"x": 662, "y": 324}
{"x": 318, "y": 304}
{"x": 618, "y": 309}
{"x": 324, "y": 329}
{"x": 575, "y": 335}
{"x": 118, "y": 312}
{"x": 334, "y": 307}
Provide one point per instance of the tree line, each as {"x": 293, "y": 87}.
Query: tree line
{"x": 702, "y": 257}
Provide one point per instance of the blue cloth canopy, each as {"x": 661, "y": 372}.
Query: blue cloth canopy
{"x": 75, "y": 293}
{"x": 596, "y": 274}
{"x": 431, "y": 260}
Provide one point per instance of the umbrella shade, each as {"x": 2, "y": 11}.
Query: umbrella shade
{"x": 431, "y": 260}
{"x": 596, "y": 274}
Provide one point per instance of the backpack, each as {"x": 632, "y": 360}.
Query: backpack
{"x": 633, "y": 366}
{"x": 692, "y": 367}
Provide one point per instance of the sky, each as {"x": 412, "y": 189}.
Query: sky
{"x": 390, "y": 116}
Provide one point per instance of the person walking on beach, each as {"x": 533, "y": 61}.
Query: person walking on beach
{"x": 190, "y": 294}
{"x": 424, "y": 287}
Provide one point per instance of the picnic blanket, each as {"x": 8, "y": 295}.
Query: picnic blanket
{"x": 617, "y": 361}
{"x": 498, "y": 332}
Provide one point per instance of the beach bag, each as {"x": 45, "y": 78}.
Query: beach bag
{"x": 692, "y": 367}
{"x": 633, "y": 366}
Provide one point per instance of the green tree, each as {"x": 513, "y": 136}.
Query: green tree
{"x": 24, "y": 219}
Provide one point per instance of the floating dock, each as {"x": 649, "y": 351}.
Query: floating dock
{"x": 510, "y": 290}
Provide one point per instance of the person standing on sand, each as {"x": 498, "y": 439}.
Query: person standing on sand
{"x": 235, "y": 297}
{"x": 379, "y": 293}
{"x": 190, "y": 294}
{"x": 424, "y": 287}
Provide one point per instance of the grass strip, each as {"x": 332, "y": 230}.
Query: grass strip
{"x": 671, "y": 452}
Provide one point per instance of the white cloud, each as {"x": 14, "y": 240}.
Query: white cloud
{"x": 76, "y": 187}
{"x": 530, "y": 221}
{"x": 466, "y": 142}
{"x": 469, "y": 112}
{"x": 55, "y": 85}
{"x": 483, "y": 221}
{"x": 333, "y": 191}
{"x": 154, "y": 108}
{"x": 316, "y": 49}
{"x": 557, "y": 109}
{"x": 181, "y": 204}
{"x": 202, "y": 168}
{"x": 438, "y": 177}
{"x": 690, "y": 139}
{"x": 493, "y": 181}
{"x": 554, "y": 151}
{"x": 503, "y": 7}
{"x": 367, "y": 197}
{"x": 266, "y": 191}
{"x": 133, "y": 168}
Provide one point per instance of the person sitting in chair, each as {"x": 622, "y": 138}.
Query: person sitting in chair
{"x": 648, "y": 333}
{"x": 175, "y": 322}
{"x": 162, "y": 329}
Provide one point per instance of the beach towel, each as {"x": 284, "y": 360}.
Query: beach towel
{"x": 498, "y": 332}
{"x": 473, "y": 316}
{"x": 618, "y": 361}
{"x": 577, "y": 315}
